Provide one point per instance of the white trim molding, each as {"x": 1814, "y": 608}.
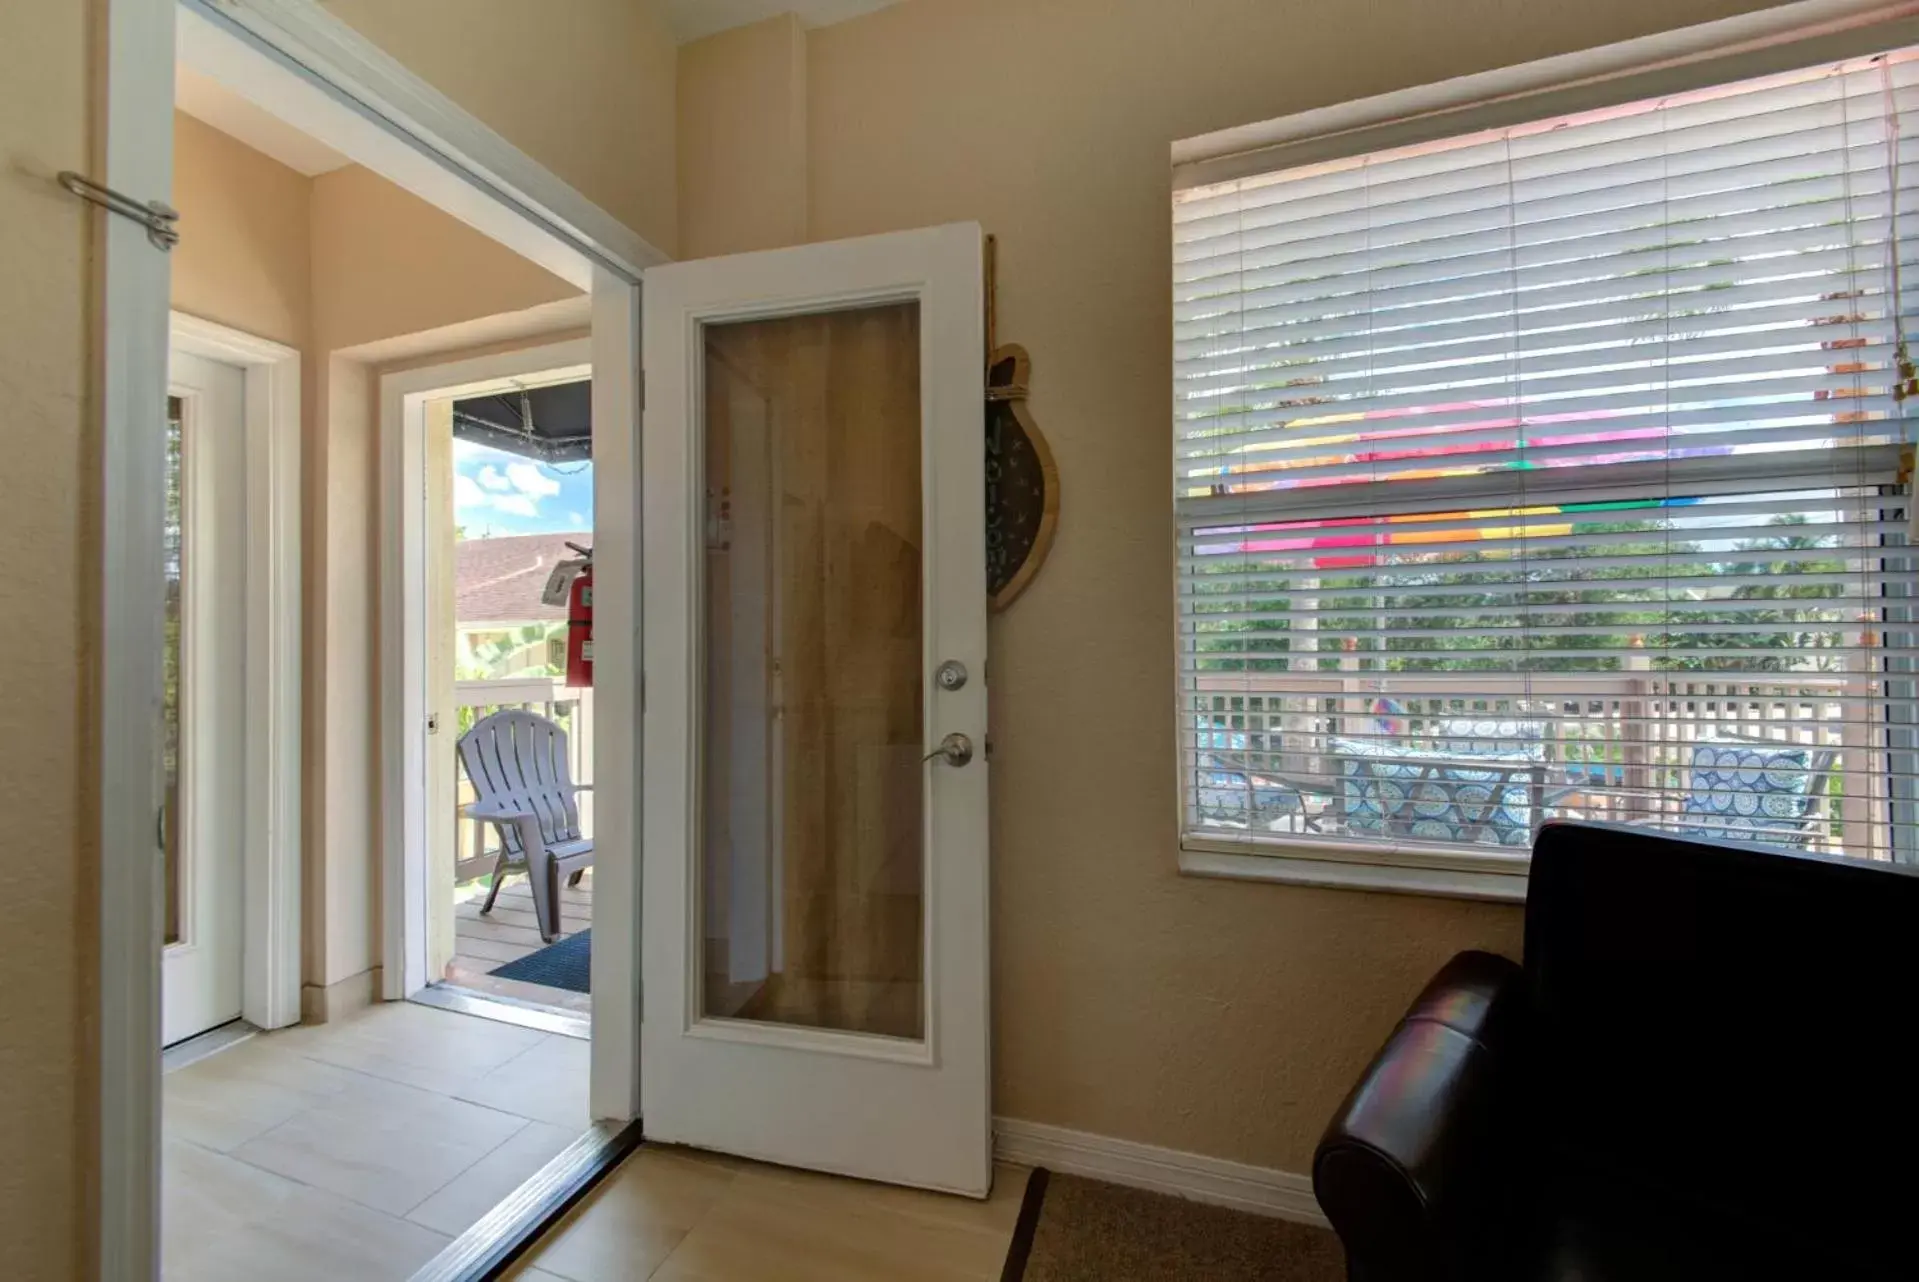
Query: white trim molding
{"x": 314, "y": 72}
{"x": 1262, "y": 1190}
{"x": 362, "y": 102}
{"x": 1306, "y": 866}
{"x": 135, "y": 156}
{"x": 270, "y": 985}
{"x": 402, "y": 631}
{"x": 618, "y": 700}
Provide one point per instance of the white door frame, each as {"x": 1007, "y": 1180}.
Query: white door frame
{"x": 403, "y": 623}
{"x": 324, "y": 78}
{"x": 270, "y": 973}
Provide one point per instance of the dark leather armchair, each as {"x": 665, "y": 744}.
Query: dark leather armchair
{"x": 1703, "y": 1070}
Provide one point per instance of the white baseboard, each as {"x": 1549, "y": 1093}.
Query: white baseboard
{"x": 1259, "y": 1189}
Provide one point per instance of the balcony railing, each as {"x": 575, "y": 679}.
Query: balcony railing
{"x": 476, "y": 844}
{"x": 1611, "y": 746}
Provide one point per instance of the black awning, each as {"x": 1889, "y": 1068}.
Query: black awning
{"x": 551, "y": 424}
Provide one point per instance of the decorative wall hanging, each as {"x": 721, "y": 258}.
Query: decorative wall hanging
{"x": 1022, "y": 481}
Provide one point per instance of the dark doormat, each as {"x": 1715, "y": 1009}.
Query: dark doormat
{"x": 567, "y": 964}
{"x": 1088, "y": 1231}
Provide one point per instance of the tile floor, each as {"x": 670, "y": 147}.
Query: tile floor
{"x": 357, "y": 1149}
{"x": 675, "y": 1215}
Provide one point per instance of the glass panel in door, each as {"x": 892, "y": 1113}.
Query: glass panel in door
{"x": 173, "y": 551}
{"x": 813, "y": 811}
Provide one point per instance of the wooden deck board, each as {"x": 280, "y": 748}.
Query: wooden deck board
{"x": 508, "y": 933}
{"x": 512, "y": 914}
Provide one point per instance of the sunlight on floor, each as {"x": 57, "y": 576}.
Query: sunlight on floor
{"x": 678, "y": 1215}
{"x": 357, "y": 1149}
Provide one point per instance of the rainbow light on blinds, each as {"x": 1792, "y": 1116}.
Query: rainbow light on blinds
{"x": 1584, "y": 433}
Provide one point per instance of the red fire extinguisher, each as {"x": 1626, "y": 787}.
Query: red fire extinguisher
{"x": 579, "y": 623}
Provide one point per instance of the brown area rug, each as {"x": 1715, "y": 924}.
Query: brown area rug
{"x": 1079, "y": 1230}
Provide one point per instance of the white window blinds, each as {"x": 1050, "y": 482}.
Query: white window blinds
{"x": 1555, "y": 471}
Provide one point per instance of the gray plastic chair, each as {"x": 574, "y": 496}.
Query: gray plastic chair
{"x": 517, "y": 763}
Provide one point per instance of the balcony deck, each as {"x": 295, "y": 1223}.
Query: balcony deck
{"x": 507, "y": 934}
{"x": 1614, "y": 746}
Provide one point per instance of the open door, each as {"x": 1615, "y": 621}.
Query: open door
{"x": 203, "y": 821}
{"x": 815, "y": 853}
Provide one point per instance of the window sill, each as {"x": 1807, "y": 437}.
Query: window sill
{"x": 1307, "y": 866}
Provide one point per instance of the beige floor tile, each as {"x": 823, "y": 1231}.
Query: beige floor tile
{"x": 225, "y": 1221}
{"x": 435, "y": 1050}
{"x": 383, "y": 1144}
{"x": 773, "y": 1226}
{"x": 634, "y": 1219}
{"x": 481, "y": 1186}
{"x": 701, "y": 1217}
{"x": 229, "y": 1098}
{"x": 996, "y": 1213}
{"x": 546, "y": 1082}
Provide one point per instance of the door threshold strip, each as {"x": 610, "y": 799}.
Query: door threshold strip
{"x": 504, "y": 1010}
{"x": 1020, "y": 1249}
{"x": 501, "y": 1236}
{"x": 198, "y": 1047}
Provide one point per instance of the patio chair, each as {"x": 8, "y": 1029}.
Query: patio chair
{"x": 1398, "y": 790}
{"x": 1504, "y": 736}
{"x": 1232, "y": 796}
{"x": 1764, "y": 790}
{"x": 517, "y": 763}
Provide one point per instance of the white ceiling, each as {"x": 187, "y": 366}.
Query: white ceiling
{"x": 210, "y": 101}
{"x": 695, "y": 18}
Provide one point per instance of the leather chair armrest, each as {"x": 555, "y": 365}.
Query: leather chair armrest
{"x": 1420, "y": 1156}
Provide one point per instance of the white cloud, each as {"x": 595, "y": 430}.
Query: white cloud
{"x": 466, "y": 493}
{"x": 516, "y": 505}
{"x": 490, "y": 478}
{"x": 530, "y": 481}
{"x": 578, "y": 518}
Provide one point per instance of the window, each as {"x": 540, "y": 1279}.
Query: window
{"x": 1556, "y": 470}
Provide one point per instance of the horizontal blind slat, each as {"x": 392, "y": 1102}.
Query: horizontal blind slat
{"x": 1580, "y": 435}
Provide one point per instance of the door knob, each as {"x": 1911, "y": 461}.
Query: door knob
{"x": 955, "y": 750}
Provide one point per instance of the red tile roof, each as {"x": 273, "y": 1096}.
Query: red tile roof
{"x": 499, "y": 580}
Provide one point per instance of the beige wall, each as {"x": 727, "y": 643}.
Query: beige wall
{"x": 246, "y": 229}
{"x": 331, "y": 265}
{"x": 742, "y": 153}
{"x": 585, "y": 87}
{"x": 1219, "y": 1017}
{"x": 48, "y": 573}
{"x": 385, "y": 264}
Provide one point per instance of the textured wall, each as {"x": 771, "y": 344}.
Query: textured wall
{"x": 585, "y": 87}
{"x": 48, "y": 577}
{"x": 1219, "y": 1017}
{"x": 385, "y": 264}
{"x": 326, "y": 264}
{"x": 246, "y": 222}
{"x": 742, "y": 152}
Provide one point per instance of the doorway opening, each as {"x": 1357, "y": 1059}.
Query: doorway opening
{"x": 230, "y": 681}
{"x": 378, "y": 1135}
{"x": 509, "y": 527}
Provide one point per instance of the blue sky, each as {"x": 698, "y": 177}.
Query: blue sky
{"x": 496, "y": 493}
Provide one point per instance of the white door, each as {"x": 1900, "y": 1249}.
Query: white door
{"x": 814, "y": 949}
{"x": 205, "y": 757}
